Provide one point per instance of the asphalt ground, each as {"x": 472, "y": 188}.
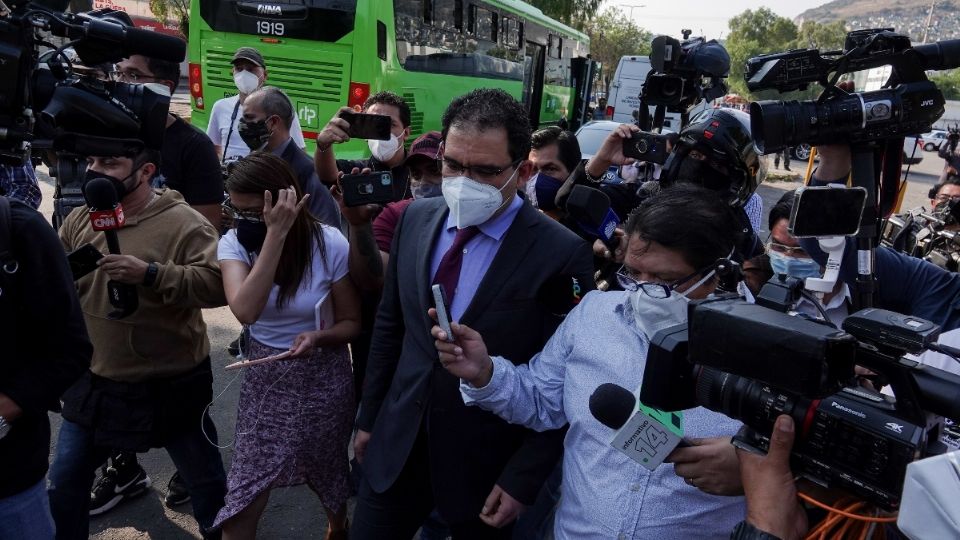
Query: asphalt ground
{"x": 295, "y": 513}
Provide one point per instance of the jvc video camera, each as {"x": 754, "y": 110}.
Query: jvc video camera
{"x": 908, "y": 104}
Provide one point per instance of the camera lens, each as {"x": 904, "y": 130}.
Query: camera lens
{"x": 756, "y": 404}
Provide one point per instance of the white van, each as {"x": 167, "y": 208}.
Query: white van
{"x": 625, "y": 89}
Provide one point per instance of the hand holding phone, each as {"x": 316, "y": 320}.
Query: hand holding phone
{"x": 83, "y": 260}
{"x": 443, "y": 310}
{"x": 370, "y": 188}
{"x": 367, "y": 126}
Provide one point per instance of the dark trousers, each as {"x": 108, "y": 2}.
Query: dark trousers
{"x": 77, "y": 459}
{"x": 399, "y": 511}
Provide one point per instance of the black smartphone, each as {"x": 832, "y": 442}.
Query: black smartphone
{"x": 83, "y": 260}
{"x": 827, "y": 211}
{"x": 367, "y": 126}
{"x": 649, "y": 147}
{"x": 371, "y": 188}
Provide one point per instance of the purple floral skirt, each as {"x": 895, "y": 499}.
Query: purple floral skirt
{"x": 293, "y": 427}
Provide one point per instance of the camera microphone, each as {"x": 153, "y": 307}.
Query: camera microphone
{"x": 134, "y": 40}
{"x": 590, "y": 208}
{"x": 644, "y": 434}
{"x": 106, "y": 214}
{"x": 612, "y": 405}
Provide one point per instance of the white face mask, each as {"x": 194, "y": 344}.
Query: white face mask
{"x": 654, "y": 314}
{"x": 470, "y": 202}
{"x": 384, "y": 150}
{"x": 247, "y": 82}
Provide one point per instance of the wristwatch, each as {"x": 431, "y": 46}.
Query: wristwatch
{"x": 4, "y": 427}
{"x": 151, "y": 274}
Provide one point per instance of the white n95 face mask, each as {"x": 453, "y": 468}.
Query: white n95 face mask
{"x": 470, "y": 202}
{"x": 654, "y": 314}
{"x": 384, "y": 150}
{"x": 246, "y": 82}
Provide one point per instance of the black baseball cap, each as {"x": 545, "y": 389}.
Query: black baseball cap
{"x": 250, "y": 54}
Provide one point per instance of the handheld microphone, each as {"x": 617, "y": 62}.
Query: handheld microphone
{"x": 590, "y": 208}
{"x": 643, "y": 434}
{"x": 106, "y": 214}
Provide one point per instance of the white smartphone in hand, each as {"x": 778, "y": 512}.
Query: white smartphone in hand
{"x": 443, "y": 310}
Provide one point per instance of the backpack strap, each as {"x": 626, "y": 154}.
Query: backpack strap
{"x": 8, "y": 264}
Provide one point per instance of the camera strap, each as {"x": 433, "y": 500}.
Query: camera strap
{"x": 233, "y": 118}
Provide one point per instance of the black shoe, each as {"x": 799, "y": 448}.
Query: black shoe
{"x": 177, "y": 492}
{"x": 122, "y": 480}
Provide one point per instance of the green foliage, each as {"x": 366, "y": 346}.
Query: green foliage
{"x": 175, "y": 10}
{"x": 761, "y": 31}
{"x": 612, "y": 35}
{"x": 575, "y": 13}
{"x": 948, "y": 82}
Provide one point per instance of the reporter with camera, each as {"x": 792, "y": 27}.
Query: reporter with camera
{"x": 948, "y": 152}
{"x": 668, "y": 262}
{"x": 905, "y": 284}
{"x": 188, "y": 159}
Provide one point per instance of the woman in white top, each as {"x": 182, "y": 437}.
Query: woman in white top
{"x": 285, "y": 275}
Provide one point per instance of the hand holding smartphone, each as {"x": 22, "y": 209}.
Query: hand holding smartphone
{"x": 367, "y": 126}
{"x": 443, "y": 310}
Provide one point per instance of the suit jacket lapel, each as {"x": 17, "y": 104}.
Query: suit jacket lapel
{"x": 514, "y": 248}
{"x": 434, "y": 221}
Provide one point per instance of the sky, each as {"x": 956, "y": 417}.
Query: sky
{"x": 705, "y": 17}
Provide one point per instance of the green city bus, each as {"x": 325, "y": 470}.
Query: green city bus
{"x": 329, "y": 53}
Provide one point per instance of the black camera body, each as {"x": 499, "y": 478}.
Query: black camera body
{"x": 46, "y": 106}
{"x": 926, "y": 235}
{"x": 676, "y": 81}
{"x": 909, "y": 103}
{"x": 753, "y": 363}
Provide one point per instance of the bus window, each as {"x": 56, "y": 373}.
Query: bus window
{"x": 511, "y": 33}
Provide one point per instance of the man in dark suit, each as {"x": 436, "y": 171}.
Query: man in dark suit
{"x": 506, "y": 268}
{"x": 265, "y": 125}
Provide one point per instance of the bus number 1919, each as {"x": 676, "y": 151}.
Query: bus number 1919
{"x": 270, "y": 28}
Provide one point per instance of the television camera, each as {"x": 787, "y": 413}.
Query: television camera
{"x": 46, "y": 106}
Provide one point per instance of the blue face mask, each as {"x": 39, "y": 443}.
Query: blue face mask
{"x": 542, "y": 190}
{"x": 793, "y": 266}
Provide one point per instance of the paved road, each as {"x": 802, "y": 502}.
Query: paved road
{"x": 295, "y": 513}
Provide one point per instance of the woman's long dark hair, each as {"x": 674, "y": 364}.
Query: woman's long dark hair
{"x": 262, "y": 171}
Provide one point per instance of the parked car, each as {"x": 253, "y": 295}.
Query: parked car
{"x": 801, "y": 152}
{"x": 590, "y": 136}
{"x": 933, "y": 140}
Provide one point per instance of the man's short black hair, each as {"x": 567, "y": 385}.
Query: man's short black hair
{"x": 164, "y": 70}
{"x": 147, "y": 156}
{"x": 389, "y": 98}
{"x": 951, "y": 179}
{"x": 782, "y": 209}
{"x": 568, "y": 149}
{"x": 689, "y": 219}
{"x": 491, "y": 108}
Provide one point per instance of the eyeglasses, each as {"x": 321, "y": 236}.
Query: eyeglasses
{"x": 254, "y": 216}
{"x": 944, "y": 198}
{"x": 788, "y": 250}
{"x": 129, "y": 76}
{"x": 450, "y": 167}
{"x": 630, "y": 283}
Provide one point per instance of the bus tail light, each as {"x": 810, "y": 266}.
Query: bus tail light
{"x": 359, "y": 92}
{"x": 196, "y": 85}
{"x": 609, "y": 112}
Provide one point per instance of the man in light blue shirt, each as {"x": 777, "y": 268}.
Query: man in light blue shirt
{"x": 605, "y": 339}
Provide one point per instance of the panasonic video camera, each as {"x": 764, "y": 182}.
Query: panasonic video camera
{"x": 908, "y": 104}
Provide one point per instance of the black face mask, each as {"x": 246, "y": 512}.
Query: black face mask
{"x": 119, "y": 184}
{"x": 254, "y": 134}
{"x": 251, "y": 235}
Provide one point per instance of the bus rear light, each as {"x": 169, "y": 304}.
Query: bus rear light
{"x": 359, "y": 92}
{"x": 609, "y": 112}
{"x": 196, "y": 85}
